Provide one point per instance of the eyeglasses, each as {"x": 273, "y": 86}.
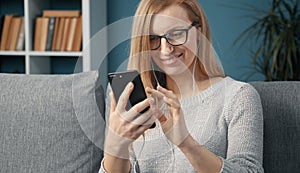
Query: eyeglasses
{"x": 175, "y": 37}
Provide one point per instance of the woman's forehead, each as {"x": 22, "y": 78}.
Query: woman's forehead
{"x": 163, "y": 24}
{"x": 171, "y": 17}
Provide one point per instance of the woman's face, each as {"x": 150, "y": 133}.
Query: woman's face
{"x": 173, "y": 60}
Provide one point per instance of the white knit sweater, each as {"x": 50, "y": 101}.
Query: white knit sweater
{"x": 226, "y": 118}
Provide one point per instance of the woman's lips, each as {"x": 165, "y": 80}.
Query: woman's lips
{"x": 171, "y": 59}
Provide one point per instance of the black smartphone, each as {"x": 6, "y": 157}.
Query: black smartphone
{"x": 118, "y": 82}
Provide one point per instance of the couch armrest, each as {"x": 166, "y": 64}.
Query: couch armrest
{"x": 281, "y": 108}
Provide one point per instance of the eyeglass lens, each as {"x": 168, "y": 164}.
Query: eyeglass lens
{"x": 175, "y": 38}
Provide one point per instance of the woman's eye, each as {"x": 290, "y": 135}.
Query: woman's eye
{"x": 176, "y": 34}
{"x": 153, "y": 38}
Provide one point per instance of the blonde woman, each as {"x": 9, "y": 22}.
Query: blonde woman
{"x": 205, "y": 121}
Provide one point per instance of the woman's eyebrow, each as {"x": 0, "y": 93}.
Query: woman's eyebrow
{"x": 170, "y": 30}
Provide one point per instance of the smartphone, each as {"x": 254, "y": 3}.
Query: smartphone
{"x": 118, "y": 82}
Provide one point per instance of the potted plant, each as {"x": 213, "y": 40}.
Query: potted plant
{"x": 276, "y": 33}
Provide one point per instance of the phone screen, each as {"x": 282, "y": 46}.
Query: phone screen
{"x": 118, "y": 82}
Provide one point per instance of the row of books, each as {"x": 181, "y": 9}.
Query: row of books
{"x": 58, "y": 30}
{"x": 13, "y": 33}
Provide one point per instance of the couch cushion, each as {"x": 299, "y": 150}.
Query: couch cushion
{"x": 281, "y": 106}
{"x": 43, "y": 126}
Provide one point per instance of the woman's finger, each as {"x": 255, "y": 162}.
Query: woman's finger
{"x": 112, "y": 102}
{"x": 166, "y": 92}
{"x": 170, "y": 98}
{"x": 124, "y": 97}
{"x": 143, "y": 119}
{"x": 141, "y": 129}
{"x": 172, "y": 102}
{"x": 154, "y": 93}
{"x": 150, "y": 90}
{"x": 139, "y": 108}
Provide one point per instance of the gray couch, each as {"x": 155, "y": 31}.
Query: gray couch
{"x": 54, "y": 123}
{"x": 45, "y": 121}
{"x": 281, "y": 107}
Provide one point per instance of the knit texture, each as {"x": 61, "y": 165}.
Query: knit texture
{"x": 43, "y": 120}
{"x": 226, "y": 118}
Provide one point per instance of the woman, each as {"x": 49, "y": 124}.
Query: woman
{"x": 205, "y": 121}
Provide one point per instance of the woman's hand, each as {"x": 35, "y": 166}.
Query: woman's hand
{"x": 174, "y": 125}
{"x": 127, "y": 126}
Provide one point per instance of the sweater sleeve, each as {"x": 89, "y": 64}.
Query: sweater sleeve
{"x": 245, "y": 133}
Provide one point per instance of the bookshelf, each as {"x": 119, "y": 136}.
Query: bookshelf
{"x": 29, "y": 61}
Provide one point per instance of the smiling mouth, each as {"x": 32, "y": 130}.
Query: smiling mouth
{"x": 171, "y": 59}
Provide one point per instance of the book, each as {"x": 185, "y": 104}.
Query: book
{"x": 5, "y": 30}
{"x": 44, "y": 33}
{"x": 61, "y": 13}
{"x": 78, "y": 35}
{"x": 13, "y": 33}
{"x": 65, "y": 34}
{"x": 37, "y": 33}
{"x": 71, "y": 33}
{"x": 55, "y": 34}
{"x": 60, "y": 31}
{"x": 50, "y": 33}
{"x": 21, "y": 36}
{"x": 41, "y": 33}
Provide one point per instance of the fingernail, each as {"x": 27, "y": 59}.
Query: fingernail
{"x": 151, "y": 100}
{"x": 130, "y": 84}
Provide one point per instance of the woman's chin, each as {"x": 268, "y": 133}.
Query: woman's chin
{"x": 175, "y": 71}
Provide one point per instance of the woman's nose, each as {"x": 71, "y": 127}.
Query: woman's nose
{"x": 165, "y": 46}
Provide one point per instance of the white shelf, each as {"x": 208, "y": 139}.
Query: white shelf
{"x": 12, "y": 53}
{"x": 41, "y": 53}
{"x": 37, "y": 62}
{"x": 50, "y": 53}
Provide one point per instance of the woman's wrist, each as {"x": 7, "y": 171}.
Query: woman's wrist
{"x": 117, "y": 146}
{"x": 113, "y": 164}
{"x": 188, "y": 142}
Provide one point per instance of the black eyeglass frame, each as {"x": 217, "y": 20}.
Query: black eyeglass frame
{"x": 166, "y": 36}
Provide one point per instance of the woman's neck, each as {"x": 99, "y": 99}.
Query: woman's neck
{"x": 182, "y": 88}
{"x": 184, "y": 85}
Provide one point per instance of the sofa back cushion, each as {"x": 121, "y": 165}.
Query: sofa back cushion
{"x": 281, "y": 106}
{"x": 41, "y": 125}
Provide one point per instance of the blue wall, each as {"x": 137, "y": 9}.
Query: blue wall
{"x": 227, "y": 20}
{"x": 117, "y": 10}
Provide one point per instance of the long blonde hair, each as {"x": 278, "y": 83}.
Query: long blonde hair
{"x": 140, "y": 58}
